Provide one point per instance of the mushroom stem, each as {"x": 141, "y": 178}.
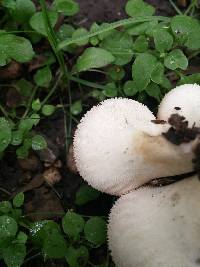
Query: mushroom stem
{"x": 163, "y": 157}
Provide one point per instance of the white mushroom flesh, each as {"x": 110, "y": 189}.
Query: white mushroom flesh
{"x": 183, "y": 100}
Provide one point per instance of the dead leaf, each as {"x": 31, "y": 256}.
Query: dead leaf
{"x": 36, "y": 63}
{"x": 52, "y": 176}
{"x": 11, "y": 71}
{"x": 49, "y": 154}
{"x": 44, "y": 204}
{"x": 36, "y": 182}
{"x": 29, "y": 164}
{"x": 13, "y": 98}
{"x": 182, "y": 3}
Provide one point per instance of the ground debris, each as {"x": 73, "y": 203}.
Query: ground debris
{"x": 159, "y": 121}
{"x": 52, "y": 176}
{"x": 13, "y": 98}
{"x": 11, "y": 71}
{"x": 179, "y": 132}
{"x": 34, "y": 183}
{"x": 182, "y": 3}
{"x": 29, "y": 164}
{"x": 44, "y": 204}
{"x": 49, "y": 154}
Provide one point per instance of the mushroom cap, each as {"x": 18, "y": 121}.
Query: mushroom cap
{"x": 104, "y": 144}
{"x": 157, "y": 227}
{"x": 183, "y": 100}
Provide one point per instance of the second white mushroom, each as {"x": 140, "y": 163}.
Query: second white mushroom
{"x": 157, "y": 227}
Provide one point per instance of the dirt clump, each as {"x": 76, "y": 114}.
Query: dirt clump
{"x": 180, "y": 132}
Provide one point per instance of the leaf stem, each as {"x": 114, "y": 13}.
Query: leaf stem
{"x": 175, "y": 7}
{"x": 32, "y": 257}
{"x": 53, "y": 89}
{"x": 30, "y": 102}
{"x": 111, "y": 26}
{"x": 4, "y": 111}
{"x": 87, "y": 83}
{"x": 5, "y": 191}
{"x": 60, "y": 58}
{"x": 191, "y": 7}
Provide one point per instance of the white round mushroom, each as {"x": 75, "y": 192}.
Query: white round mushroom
{"x": 157, "y": 227}
{"x": 117, "y": 148}
{"x": 183, "y": 100}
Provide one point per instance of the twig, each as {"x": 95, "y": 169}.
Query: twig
{"x": 53, "y": 89}
{"x": 175, "y": 7}
{"x": 5, "y": 191}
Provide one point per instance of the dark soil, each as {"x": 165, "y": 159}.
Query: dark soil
{"x": 180, "y": 132}
{"x": 15, "y": 177}
{"x": 111, "y": 10}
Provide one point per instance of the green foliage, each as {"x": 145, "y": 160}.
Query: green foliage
{"x": 5, "y": 207}
{"x": 130, "y": 88}
{"x": 135, "y": 8}
{"x": 77, "y": 257}
{"x": 37, "y": 21}
{"x": 20, "y": 134}
{"x": 94, "y": 58}
{"x": 120, "y": 44}
{"x": 78, "y": 33}
{"x": 71, "y": 239}
{"x": 186, "y": 31}
{"x": 73, "y": 224}
{"x": 18, "y": 200}
{"x": 5, "y": 134}
{"x": 155, "y": 45}
{"x": 157, "y": 75}
{"x": 14, "y": 255}
{"x": 67, "y": 7}
{"x": 53, "y": 243}
{"x": 116, "y": 73}
{"x": 76, "y": 107}
{"x": 48, "y": 110}
{"x": 95, "y": 231}
{"x": 163, "y": 40}
{"x": 38, "y": 142}
{"x": 142, "y": 70}
{"x": 176, "y": 60}
{"x": 14, "y": 47}
{"x": 141, "y": 44}
{"x": 8, "y": 228}
{"x": 43, "y": 77}
{"x": 110, "y": 90}
{"x": 155, "y": 48}
{"x": 12, "y": 240}
{"x": 36, "y": 105}
{"x": 86, "y": 194}
{"x": 23, "y": 10}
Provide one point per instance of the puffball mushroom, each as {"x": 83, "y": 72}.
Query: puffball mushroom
{"x": 118, "y": 148}
{"x": 183, "y": 100}
{"x": 157, "y": 227}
